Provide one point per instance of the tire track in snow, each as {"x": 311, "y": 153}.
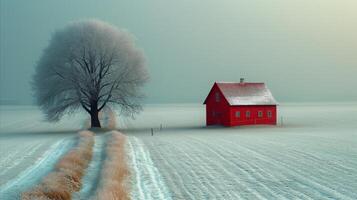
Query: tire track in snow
{"x": 195, "y": 174}
{"x": 329, "y": 165}
{"x": 321, "y": 190}
{"x": 320, "y": 182}
{"x": 300, "y": 180}
{"x": 138, "y": 182}
{"x": 33, "y": 174}
{"x": 12, "y": 154}
{"x": 274, "y": 179}
{"x": 323, "y": 171}
{"x": 92, "y": 173}
{"x": 201, "y": 174}
{"x": 15, "y": 159}
{"x": 175, "y": 180}
{"x": 262, "y": 174}
{"x": 243, "y": 170}
{"x": 205, "y": 162}
{"x": 148, "y": 180}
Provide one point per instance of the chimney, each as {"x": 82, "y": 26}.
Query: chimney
{"x": 241, "y": 80}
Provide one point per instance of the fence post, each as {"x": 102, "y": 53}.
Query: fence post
{"x": 152, "y": 132}
{"x": 160, "y": 127}
{"x": 281, "y": 121}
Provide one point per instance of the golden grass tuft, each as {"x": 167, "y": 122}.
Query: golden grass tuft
{"x": 113, "y": 183}
{"x": 66, "y": 178}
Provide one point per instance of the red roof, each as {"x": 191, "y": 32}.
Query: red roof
{"x": 246, "y": 93}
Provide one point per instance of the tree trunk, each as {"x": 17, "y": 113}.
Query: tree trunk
{"x": 94, "y": 116}
{"x": 95, "y": 119}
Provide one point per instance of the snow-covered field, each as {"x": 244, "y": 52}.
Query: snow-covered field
{"x": 30, "y": 147}
{"x": 313, "y": 155}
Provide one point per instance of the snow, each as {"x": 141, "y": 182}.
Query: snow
{"x": 247, "y": 93}
{"x": 313, "y": 155}
{"x": 29, "y": 177}
{"x": 92, "y": 174}
{"x": 147, "y": 181}
{"x": 30, "y": 147}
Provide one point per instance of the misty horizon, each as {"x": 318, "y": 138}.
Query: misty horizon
{"x": 304, "y": 51}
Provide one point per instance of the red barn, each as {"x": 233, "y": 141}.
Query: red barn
{"x": 234, "y": 104}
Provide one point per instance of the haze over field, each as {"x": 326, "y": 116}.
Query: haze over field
{"x": 304, "y": 50}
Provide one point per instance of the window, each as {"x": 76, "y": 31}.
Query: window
{"x": 269, "y": 114}
{"x": 237, "y": 114}
{"x": 247, "y": 114}
{"x": 260, "y": 114}
{"x": 217, "y": 97}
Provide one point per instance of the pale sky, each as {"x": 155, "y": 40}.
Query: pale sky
{"x": 305, "y": 50}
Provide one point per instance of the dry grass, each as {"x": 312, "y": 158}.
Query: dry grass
{"x": 66, "y": 178}
{"x": 113, "y": 183}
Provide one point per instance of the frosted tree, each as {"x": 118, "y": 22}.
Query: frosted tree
{"x": 89, "y": 65}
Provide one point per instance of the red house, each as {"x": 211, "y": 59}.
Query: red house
{"x": 234, "y": 104}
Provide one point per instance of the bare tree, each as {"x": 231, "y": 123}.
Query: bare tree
{"x": 89, "y": 65}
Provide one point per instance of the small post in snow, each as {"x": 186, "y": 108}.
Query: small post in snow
{"x": 281, "y": 121}
{"x": 160, "y": 127}
{"x": 152, "y": 132}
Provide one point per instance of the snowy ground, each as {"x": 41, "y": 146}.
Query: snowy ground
{"x": 313, "y": 155}
{"x": 92, "y": 174}
{"x": 30, "y": 147}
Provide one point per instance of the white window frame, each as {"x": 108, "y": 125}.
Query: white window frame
{"x": 260, "y": 114}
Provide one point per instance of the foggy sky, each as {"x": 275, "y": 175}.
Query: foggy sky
{"x": 304, "y": 50}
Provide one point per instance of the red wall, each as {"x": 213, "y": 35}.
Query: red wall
{"x": 220, "y": 108}
{"x": 254, "y": 118}
{"x": 220, "y": 113}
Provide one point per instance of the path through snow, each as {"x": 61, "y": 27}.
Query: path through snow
{"x": 33, "y": 174}
{"x": 146, "y": 179}
{"x": 92, "y": 174}
{"x": 91, "y": 178}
